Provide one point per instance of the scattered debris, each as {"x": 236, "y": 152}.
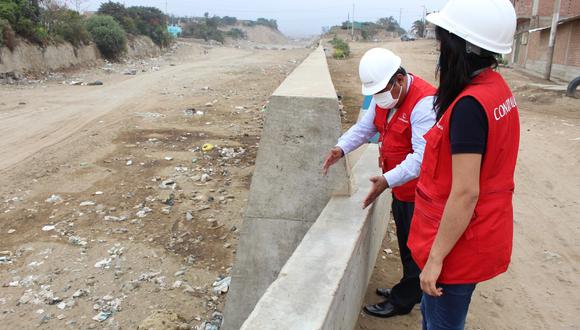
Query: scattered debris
{"x": 77, "y": 241}
{"x": 222, "y": 286}
{"x": 130, "y": 72}
{"x": 215, "y": 323}
{"x": 104, "y": 264}
{"x": 54, "y": 199}
{"x": 168, "y": 184}
{"x": 48, "y": 228}
{"x": 208, "y": 147}
{"x": 167, "y": 198}
{"x": 188, "y": 216}
{"x": 114, "y": 218}
{"x": 102, "y": 316}
{"x": 142, "y": 213}
{"x": 5, "y": 258}
{"x": 80, "y": 293}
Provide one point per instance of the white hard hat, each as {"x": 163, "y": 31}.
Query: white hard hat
{"x": 488, "y": 24}
{"x": 376, "y": 68}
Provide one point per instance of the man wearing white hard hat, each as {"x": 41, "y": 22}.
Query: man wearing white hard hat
{"x": 462, "y": 229}
{"x": 401, "y": 112}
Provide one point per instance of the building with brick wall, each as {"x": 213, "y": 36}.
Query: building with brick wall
{"x": 533, "y": 33}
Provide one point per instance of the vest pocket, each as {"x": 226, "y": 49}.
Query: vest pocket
{"x": 432, "y": 149}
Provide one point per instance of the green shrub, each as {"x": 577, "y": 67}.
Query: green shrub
{"x": 341, "y": 48}
{"x": 236, "y": 33}
{"x": 161, "y": 37}
{"x": 120, "y": 14}
{"x": 249, "y": 23}
{"x": 68, "y": 25}
{"x": 140, "y": 20}
{"x": 338, "y": 54}
{"x": 108, "y": 35}
{"x": 24, "y": 18}
{"x": 271, "y": 23}
{"x": 229, "y": 21}
{"x": 203, "y": 31}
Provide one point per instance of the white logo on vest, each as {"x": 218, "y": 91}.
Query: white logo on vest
{"x": 505, "y": 108}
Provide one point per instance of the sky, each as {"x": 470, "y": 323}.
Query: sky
{"x": 296, "y": 18}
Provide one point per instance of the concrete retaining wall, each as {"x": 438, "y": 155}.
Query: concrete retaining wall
{"x": 288, "y": 191}
{"x": 322, "y": 285}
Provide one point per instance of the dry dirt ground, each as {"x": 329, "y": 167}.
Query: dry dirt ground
{"x": 108, "y": 203}
{"x": 540, "y": 289}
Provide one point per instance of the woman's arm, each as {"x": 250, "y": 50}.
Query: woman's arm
{"x": 456, "y": 216}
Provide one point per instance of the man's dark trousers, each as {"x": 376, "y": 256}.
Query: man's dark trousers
{"x": 407, "y": 292}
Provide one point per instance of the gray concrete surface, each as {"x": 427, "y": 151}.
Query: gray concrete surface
{"x": 322, "y": 285}
{"x": 288, "y": 191}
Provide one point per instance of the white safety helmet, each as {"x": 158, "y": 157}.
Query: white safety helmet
{"x": 376, "y": 68}
{"x": 488, "y": 24}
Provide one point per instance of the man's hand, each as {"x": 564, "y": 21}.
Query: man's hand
{"x": 380, "y": 184}
{"x": 334, "y": 156}
{"x": 429, "y": 277}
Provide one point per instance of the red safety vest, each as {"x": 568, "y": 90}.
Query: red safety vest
{"x": 484, "y": 250}
{"x": 395, "y": 136}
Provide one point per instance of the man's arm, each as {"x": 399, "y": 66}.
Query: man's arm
{"x": 423, "y": 118}
{"x": 360, "y": 133}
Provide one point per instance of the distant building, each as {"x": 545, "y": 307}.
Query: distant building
{"x": 533, "y": 33}
{"x": 430, "y": 31}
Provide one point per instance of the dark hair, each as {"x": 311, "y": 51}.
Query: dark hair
{"x": 456, "y": 67}
{"x": 401, "y": 70}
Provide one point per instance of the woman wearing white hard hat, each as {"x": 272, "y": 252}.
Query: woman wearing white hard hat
{"x": 402, "y": 112}
{"x": 462, "y": 229}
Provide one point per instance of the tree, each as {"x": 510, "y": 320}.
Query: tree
{"x": 120, "y": 14}
{"x": 390, "y": 24}
{"x": 108, "y": 35}
{"x": 419, "y": 28}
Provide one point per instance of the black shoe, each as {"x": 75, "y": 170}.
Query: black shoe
{"x": 384, "y": 310}
{"x": 384, "y": 292}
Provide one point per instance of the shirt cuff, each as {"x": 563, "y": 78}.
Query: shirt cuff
{"x": 392, "y": 178}
{"x": 344, "y": 147}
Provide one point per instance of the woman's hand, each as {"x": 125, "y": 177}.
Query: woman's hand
{"x": 333, "y": 156}
{"x": 429, "y": 277}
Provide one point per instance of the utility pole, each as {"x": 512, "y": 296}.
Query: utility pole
{"x": 353, "y": 21}
{"x": 552, "y": 41}
{"x": 423, "y": 21}
{"x": 401, "y": 17}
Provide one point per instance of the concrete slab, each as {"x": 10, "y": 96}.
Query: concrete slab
{"x": 288, "y": 191}
{"x": 311, "y": 79}
{"x": 322, "y": 285}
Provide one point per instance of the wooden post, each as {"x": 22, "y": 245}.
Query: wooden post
{"x": 552, "y": 42}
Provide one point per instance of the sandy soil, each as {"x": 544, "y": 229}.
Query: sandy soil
{"x": 538, "y": 291}
{"x": 107, "y": 153}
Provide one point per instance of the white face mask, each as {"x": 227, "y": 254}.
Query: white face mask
{"x": 385, "y": 100}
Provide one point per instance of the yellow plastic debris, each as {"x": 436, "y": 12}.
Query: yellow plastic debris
{"x": 207, "y": 147}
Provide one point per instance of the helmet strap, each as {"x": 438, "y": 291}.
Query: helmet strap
{"x": 472, "y": 49}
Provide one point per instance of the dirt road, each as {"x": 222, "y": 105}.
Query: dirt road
{"x": 109, "y": 207}
{"x": 538, "y": 291}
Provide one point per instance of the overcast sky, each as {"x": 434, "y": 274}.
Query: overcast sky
{"x": 295, "y": 17}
